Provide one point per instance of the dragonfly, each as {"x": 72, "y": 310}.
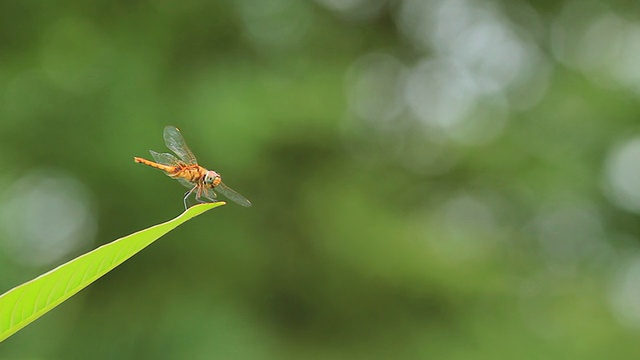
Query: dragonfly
{"x": 186, "y": 170}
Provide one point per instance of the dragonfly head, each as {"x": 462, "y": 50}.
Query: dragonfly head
{"x": 212, "y": 178}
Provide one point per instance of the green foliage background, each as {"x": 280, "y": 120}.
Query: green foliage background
{"x": 367, "y": 239}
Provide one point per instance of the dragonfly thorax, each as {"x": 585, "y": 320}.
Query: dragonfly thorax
{"x": 212, "y": 178}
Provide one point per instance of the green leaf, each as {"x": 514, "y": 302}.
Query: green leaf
{"x": 27, "y": 302}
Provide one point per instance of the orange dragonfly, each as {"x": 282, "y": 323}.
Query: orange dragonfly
{"x": 186, "y": 170}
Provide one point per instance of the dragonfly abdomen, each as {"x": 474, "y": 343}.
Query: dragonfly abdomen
{"x": 162, "y": 167}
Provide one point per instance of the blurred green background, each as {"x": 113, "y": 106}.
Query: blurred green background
{"x": 446, "y": 179}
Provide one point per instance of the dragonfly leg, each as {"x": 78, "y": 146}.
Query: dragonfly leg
{"x": 210, "y": 195}
{"x": 199, "y": 195}
{"x": 186, "y": 195}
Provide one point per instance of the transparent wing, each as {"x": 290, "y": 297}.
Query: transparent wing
{"x": 186, "y": 183}
{"x": 174, "y": 141}
{"x": 165, "y": 158}
{"x": 168, "y": 159}
{"x": 232, "y": 195}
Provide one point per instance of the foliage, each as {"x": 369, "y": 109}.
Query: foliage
{"x": 27, "y": 302}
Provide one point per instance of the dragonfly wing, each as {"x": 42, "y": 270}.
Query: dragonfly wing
{"x": 232, "y": 195}
{"x": 165, "y": 158}
{"x": 185, "y": 182}
{"x": 174, "y": 141}
{"x": 168, "y": 159}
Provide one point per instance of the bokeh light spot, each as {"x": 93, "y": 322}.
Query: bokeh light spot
{"x": 355, "y": 9}
{"x": 622, "y": 175}
{"x": 444, "y": 95}
{"x": 470, "y": 228}
{"x": 625, "y": 292}
{"x": 44, "y": 216}
{"x": 570, "y": 233}
{"x": 374, "y": 84}
{"x": 589, "y": 37}
{"x": 275, "y": 23}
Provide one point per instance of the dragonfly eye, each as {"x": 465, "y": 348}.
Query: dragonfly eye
{"x": 210, "y": 177}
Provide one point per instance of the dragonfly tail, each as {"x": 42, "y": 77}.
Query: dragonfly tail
{"x": 154, "y": 164}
